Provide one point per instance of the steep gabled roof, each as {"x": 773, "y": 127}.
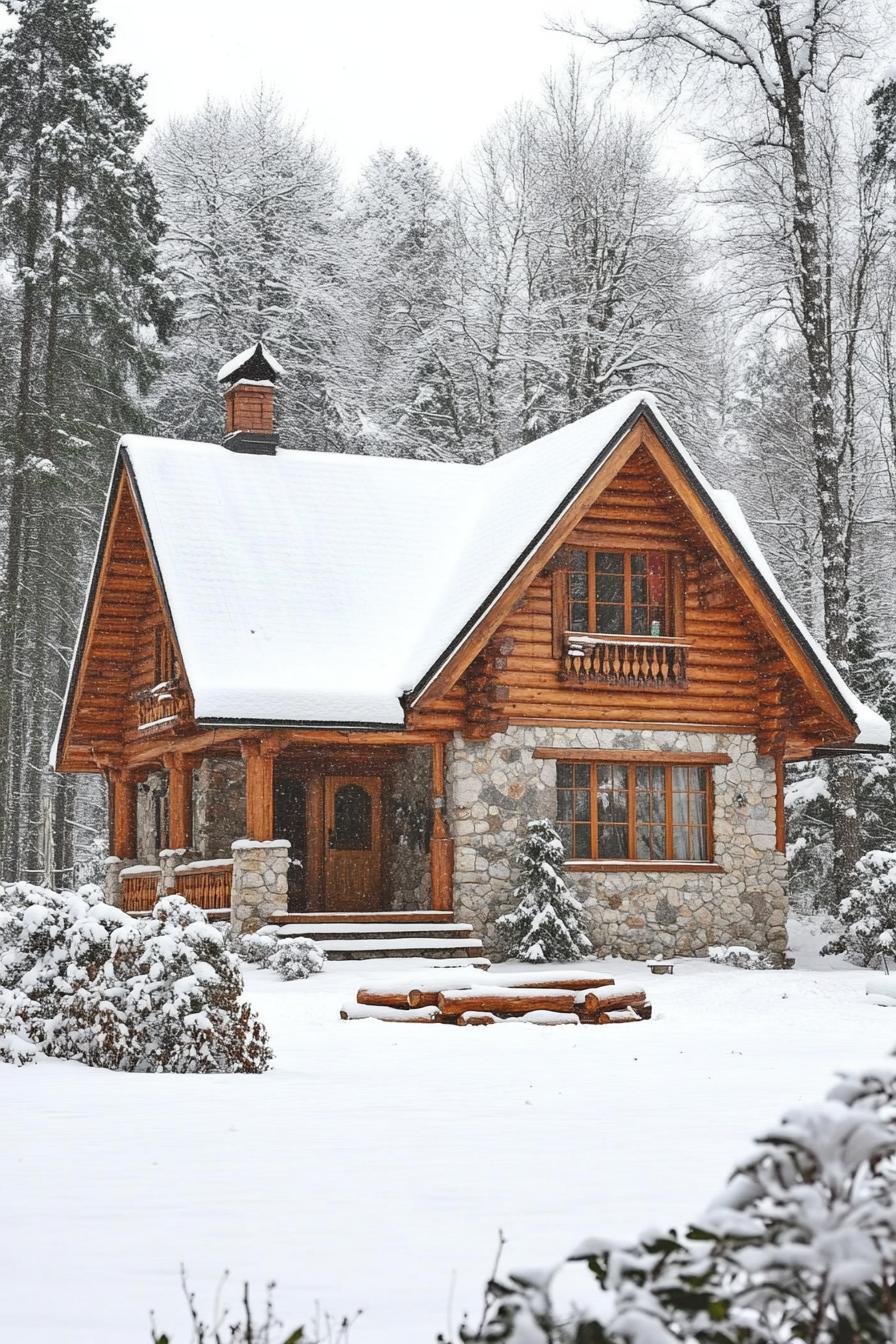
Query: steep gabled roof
{"x": 315, "y": 588}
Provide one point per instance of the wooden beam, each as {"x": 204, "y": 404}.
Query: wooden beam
{"x": 196, "y": 744}
{"x": 631, "y": 757}
{"x": 441, "y": 845}
{"x": 259, "y": 791}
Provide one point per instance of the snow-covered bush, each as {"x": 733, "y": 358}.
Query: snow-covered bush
{"x": 801, "y": 1245}
{"x": 742, "y": 958}
{"x": 868, "y": 913}
{"x": 84, "y": 981}
{"x": 546, "y": 924}
{"x": 257, "y": 948}
{"x": 183, "y": 998}
{"x": 297, "y": 958}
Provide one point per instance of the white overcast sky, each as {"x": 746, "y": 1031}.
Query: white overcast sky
{"x": 363, "y": 73}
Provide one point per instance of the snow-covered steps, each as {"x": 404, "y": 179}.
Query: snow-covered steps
{"x": 393, "y": 933}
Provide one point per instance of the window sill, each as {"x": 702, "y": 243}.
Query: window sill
{"x": 624, "y": 866}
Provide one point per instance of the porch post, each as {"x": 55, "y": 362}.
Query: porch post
{"x": 441, "y": 845}
{"x": 259, "y": 790}
{"x": 123, "y": 814}
{"x": 180, "y": 801}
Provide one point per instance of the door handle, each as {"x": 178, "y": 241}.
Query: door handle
{"x": 331, "y": 838}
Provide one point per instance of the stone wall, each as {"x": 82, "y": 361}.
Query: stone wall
{"x": 407, "y": 821}
{"x": 495, "y": 787}
{"x": 151, "y": 793}
{"x": 219, "y": 805}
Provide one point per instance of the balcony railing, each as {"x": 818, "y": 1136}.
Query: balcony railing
{"x": 139, "y": 887}
{"x": 624, "y": 660}
{"x": 206, "y": 884}
{"x": 162, "y": 704}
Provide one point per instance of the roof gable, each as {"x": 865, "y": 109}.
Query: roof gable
{"x": 334, "y": 590}
{"x": 125, "y": 599}
{"x": 721, "y": 521}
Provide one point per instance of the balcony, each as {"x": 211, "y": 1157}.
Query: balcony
{"x": 624, "y": 660}
{"x": 160, "y": 705}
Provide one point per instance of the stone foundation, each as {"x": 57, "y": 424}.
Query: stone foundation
{"x": 495, "y": 787}
{"x": 260, "y": 869}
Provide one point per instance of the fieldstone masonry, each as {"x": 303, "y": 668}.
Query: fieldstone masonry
{"x": 169, "y": 861}
{"x": 112, "y": 879}
{"x": 260, "y": 869}
{"x": 495, "y": 787}
{"x": 219, "y": 805}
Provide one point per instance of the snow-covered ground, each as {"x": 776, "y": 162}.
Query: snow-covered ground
{"x": 374, "y": 1166}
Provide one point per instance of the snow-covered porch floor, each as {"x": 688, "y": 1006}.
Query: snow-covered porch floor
{"x": 375, "y": 1164}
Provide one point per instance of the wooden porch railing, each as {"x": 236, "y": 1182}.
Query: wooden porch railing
{"x": 621, "y": 660}
{"x": 206, "y": 884}
{"x": 159, "y": 704}
{"x": 139, "y": 886}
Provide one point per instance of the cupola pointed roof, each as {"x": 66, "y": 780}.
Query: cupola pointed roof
{"x": 255, "y": 363}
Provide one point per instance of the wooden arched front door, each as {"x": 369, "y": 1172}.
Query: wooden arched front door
{"x": 352, "y": 842}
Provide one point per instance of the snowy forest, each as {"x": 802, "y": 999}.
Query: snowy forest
{"x": 455, "y": 315}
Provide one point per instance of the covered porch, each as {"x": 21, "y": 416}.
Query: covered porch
{"x": 356, "y": 821}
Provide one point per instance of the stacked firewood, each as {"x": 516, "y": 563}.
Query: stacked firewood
{"x": 549, "y": 1001}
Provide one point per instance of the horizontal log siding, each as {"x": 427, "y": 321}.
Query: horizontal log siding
{"x": 637, "y": 511}
{"x": 100, "y": 712}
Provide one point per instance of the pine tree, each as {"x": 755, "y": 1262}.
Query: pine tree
{"x": 252, "y": 252}
{"x": 79, "y": 228}
{"x": 399, "y": 228}
{"x": 546, "y": 925}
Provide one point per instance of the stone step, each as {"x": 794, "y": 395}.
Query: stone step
{"x": 365, "y": 917}
{"x": 360, "y": 949}
{"x": 356, "y": 931}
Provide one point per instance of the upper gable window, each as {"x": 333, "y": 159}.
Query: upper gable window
{"x": 620, "y": 592}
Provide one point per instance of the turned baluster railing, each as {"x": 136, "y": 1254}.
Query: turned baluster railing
{"x": 159, "y": 704}
{"x": 624, "y": 660}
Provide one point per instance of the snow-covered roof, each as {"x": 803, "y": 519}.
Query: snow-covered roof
{"x": 257, "y": 348}
{"x": 322, "y": 587}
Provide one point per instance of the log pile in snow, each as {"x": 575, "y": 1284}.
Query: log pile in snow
{"x": 467, "y": 1001}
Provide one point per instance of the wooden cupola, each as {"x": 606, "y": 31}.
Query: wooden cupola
{"x": 248, "y": 382}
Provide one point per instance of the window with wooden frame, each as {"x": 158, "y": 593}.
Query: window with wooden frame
{"x": 618, "y": 812}
{"x": 164, "y": 660}
{"x": 612, "y": 592}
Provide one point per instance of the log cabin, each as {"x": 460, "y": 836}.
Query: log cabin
{"x": 330, "y": 690}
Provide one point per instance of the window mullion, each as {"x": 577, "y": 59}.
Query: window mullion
{"x": 667, "y": 775}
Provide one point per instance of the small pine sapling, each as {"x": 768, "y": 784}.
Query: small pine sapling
{"x": 547, "y": 922}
